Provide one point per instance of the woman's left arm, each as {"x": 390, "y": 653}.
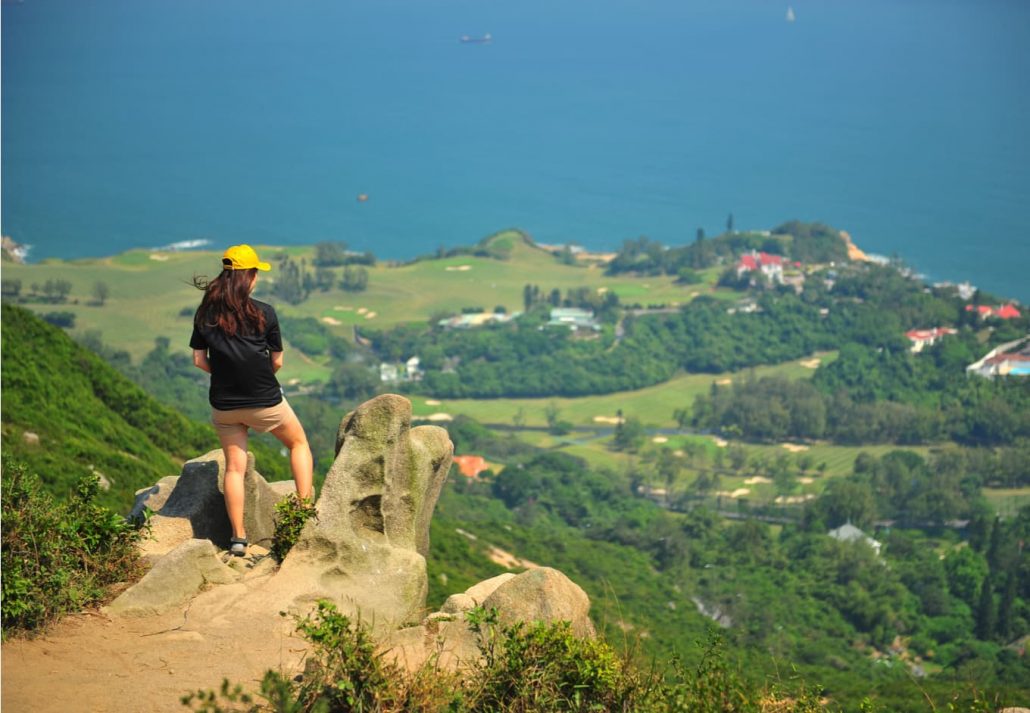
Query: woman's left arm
{"x": 277, "y": 361}
{"x": 200, "y": 360}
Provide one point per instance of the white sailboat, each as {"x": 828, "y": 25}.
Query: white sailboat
{"x": 790, "y": 14}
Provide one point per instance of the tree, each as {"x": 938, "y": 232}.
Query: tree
{"x": 10, "y": 288}
{"x": 352, "y": 382}
{"x": 700, "y": 235}
{"x": 355, "y": 279}
{"x": 682, "y": 417}
{"x": 555, "y": 298}
{"x": 729, "y": 223}
{"x": 330, "y": 254}
{"x": 629, "y": 434}
{"x": 551, "y": 414}
{"x": 985, "y": 611}
{"x": 101, "y": 292}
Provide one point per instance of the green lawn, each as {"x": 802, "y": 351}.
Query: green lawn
{"x": 653, "y": 405}
{"x": 149, "y": 290}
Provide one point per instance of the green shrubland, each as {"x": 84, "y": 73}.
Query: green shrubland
{"x": 59, "y": 557}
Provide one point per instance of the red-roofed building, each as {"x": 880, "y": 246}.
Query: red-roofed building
{"x": 1008, "y": 311}
{"x": 922, "y": 338}
{"x": 769, "y": 265}
{"x": 471, "y": 466}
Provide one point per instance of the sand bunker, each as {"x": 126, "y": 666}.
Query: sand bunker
{"x": 458, "y": 268}
{"x": 601, "y": 290}
{"x": 793, "y": 499}
{"x": 720, "y": 442}
{"x": 724, "y": 382}
{"x": 160, "y": 257}
{"x": 610, "y": 420}
{"x": 370, "y": 315}
{"x": 432, "y": 402}
{"x": 757, "y": 480}
{"x": 293, "y": 382}
{"x": 343, "y": 308}
{"x": 362, "y": 310}
{"x": 812, "y": 363}
{"x": 332, "y": 321}
{"x": 679, "y": 453}
{"x": 439, "y": 417}
{"x": 794, "y": 447}
{"x": 805, "y": 480}
{"x": 738, "y": 493}
{"x": 659, "y": 439}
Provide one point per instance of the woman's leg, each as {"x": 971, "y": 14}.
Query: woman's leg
{"x": 291, "y": 434}
{"x": 234, "y": 446}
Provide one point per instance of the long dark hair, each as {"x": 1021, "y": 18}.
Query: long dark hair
{"x": 227, "y": 304}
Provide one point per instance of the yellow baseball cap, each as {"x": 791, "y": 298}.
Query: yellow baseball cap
{"x": 243, "y": 257}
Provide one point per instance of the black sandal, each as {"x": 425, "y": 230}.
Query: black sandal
{"x": 238, "y": 546}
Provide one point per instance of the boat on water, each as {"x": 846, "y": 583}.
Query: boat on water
{"x": 470, "y": 40}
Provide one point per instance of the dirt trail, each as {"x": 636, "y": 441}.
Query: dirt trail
{"x": 94, "y": 663}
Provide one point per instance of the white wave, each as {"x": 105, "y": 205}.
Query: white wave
{"x": 183, "y": 245}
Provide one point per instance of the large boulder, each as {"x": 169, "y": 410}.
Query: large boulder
{"x": 542, "y": 594}
{"x": 192, "y": 506}
{"x": 174, "y": 580}
{"x": 538, "y": 595}
{"x": 365, "y": 549}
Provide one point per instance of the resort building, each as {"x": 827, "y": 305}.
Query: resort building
{"x": 1011, "y": 359}
{"x": 574, "y": 318}
{"x": 1008, "y": 311}
{"x": 769, "y": 265}
{"x": 850, "y": 533}
{"x": 922, "y": 338}
{"x": 477, "y": 319}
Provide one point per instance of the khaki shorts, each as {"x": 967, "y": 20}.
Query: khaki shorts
{"x": 262, "y": 419}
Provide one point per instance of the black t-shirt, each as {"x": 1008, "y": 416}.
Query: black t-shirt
{"x": 241, "y": 366}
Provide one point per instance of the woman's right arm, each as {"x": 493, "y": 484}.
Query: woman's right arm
{"x": 200, "y": 360}
{"x": 277, "y": 361}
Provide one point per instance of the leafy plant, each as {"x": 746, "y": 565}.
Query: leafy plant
{"x": 290, "y": 515}
{"x": 58, "y": 557}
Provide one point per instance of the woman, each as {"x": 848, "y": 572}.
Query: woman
{"x": 236, "y": 340}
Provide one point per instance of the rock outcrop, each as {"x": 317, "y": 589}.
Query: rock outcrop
{"x": 364, "y": 550}
{"x": 537, "y": 595}
{"x": 192, "y": 506}
{"x": 174, "y": 580}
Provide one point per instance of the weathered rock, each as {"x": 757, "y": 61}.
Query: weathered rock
{"x": 365, "y": 549}
{"x": 458, "y": 603}
{"x": 175, "y": 579}
{"x": 480, "y": 591}
{"x": 194, "y": 506}
{"x": 30, "y": 438}
{"x": 153, "y": 497}
{"x": 475, "y": 595}
{"x": 542, "y": 594}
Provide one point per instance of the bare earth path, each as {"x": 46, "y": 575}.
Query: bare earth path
{"x": 92, "y": 663}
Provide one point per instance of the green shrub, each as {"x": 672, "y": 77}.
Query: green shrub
{"x": 58, "y": 557}
{"x": 547, "y": 667}
{"x": 290, "y": 515}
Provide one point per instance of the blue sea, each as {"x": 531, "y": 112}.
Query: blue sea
{"x": 132, "y": 123}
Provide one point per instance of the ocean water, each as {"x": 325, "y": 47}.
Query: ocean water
{"x": 140, "y": 123}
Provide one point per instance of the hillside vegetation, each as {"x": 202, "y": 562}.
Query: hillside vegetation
{"x": 87, "y": 418}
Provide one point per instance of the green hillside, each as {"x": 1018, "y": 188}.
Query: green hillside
{"x": 88, "y": 417}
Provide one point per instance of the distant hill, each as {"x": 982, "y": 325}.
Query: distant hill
{"x": 89, "y": 417}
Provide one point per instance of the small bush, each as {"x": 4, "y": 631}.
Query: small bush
{"x": 290, "y": 515}
{"x": 58, "y": 557}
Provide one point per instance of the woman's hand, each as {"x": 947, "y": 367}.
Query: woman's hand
{"x": 200, "y": 360}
